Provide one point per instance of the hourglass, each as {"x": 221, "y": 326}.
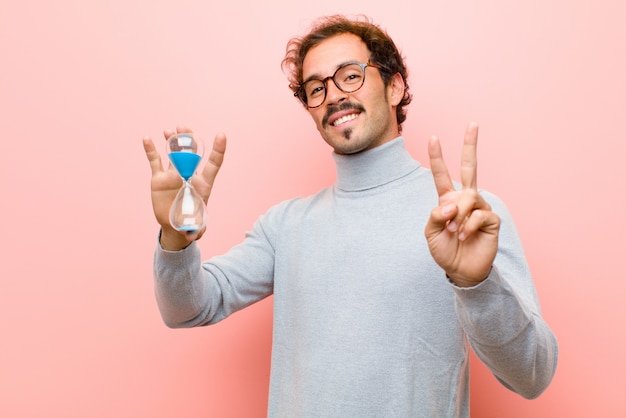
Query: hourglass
{"x": 187, "y": 212}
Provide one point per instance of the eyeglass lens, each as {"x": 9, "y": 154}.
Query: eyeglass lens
{"x": 348, "y": 78}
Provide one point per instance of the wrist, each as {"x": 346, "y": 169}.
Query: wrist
{"x": 460, "y": 281}
{"x": 172, "y": 240}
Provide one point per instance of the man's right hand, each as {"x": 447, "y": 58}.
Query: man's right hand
{"x": 165, "y": 184}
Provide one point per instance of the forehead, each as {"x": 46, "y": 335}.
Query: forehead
{"x": 325, "y": 57}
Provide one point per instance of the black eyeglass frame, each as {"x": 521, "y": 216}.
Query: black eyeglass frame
{"x": 301, "y": 94}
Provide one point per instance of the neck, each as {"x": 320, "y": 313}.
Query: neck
{"x": 374, "y": 167}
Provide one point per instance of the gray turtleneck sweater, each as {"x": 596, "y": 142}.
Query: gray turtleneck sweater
{"x": 365, "y": 322}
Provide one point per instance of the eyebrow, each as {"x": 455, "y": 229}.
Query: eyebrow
{"x": 318, "y": 77}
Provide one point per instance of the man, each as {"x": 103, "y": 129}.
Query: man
{"x": 379, "y": 281}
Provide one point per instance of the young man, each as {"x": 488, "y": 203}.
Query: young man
{"x": 379, "y": 281}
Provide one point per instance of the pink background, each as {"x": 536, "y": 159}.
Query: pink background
{"x": 82, "y": 82}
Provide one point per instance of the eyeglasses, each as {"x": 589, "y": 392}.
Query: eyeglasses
{"x": 348, "y": 78}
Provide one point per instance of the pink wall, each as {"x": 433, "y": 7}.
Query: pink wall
{"x": 82, "y": 82}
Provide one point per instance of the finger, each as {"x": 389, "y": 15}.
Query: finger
{"x": 483, "y": 220}
{"x": 195, "y": 235}
{"x": 468, "y": 156}
{"x": 216, "y": 158}
{"x": 181, "y": 129}
{"x": 154, "y": 158}
{"x": 442, "y": 179}
{"x": 438, "y": 220}
{"x": 468, "y": 202}
{"x": 167, "y": 133}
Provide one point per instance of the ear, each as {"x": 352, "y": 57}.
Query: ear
{"x": 396, "y": 89}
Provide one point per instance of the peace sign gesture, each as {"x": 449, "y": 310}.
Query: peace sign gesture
{"x": 462, "y": 232}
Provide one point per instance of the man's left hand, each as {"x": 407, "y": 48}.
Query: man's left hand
{"x": 462, "y": 232}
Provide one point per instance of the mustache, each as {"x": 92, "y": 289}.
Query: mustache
{"x": 343, "y": 106}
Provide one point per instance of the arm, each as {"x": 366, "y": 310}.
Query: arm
{"x": 495, "y": 298}
{"x": 185, "y": 292}
{"x": 502, "y": 318}
{"x": 193, "y": 293}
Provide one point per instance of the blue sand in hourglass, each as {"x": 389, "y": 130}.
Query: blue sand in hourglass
{"x": 185, "y": 162}
{"x": 188, "y": 228}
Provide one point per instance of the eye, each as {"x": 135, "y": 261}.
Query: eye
{"x": 314, "y": 89}
{"x": 350, "y": 74}
{"x": 352, "y": 78}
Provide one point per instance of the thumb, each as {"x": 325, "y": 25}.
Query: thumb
{"x": 439, "y": 219}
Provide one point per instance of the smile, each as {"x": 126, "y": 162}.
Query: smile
{"x": 345, "y": 119}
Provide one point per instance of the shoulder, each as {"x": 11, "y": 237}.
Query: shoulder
{"x": 295, "y": 207}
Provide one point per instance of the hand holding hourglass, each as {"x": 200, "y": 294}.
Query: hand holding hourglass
{"x": 178, "y": 231}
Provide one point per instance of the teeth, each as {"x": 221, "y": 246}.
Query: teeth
{"x": 344, "y": 119}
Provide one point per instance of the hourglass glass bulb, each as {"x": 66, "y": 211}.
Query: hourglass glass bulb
{"x": 188, "y": 210}
{"x": 185, "y": 152}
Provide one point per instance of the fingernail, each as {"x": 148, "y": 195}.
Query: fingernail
{"x": 447, "y": 209}
{"x": 452, "y": 226}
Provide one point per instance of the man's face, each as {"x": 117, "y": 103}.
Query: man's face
{"x": 357, "y": 121}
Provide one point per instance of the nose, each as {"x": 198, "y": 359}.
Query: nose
{"x": 334, "y": 94}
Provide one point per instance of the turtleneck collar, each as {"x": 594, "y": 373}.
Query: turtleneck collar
{"x": 375, "y": 167}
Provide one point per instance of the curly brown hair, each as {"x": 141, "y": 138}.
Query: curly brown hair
{"x": 384, "y": 52}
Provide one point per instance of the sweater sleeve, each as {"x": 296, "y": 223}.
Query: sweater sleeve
{"x": 192, "y": 293}
{"x": 502, "y": 318}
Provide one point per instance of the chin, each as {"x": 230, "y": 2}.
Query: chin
{"x": 349, "y": 148}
